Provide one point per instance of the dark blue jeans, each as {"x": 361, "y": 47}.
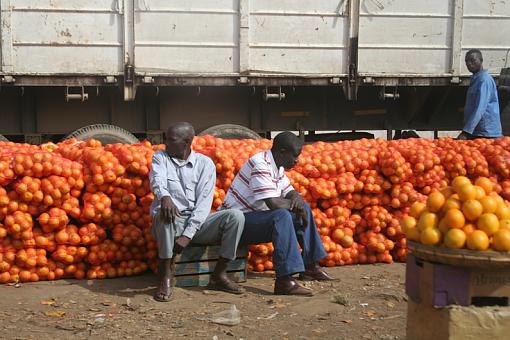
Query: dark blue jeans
{"x": 285, "y": 230}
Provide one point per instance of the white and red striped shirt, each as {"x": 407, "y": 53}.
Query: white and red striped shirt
{"x": 257, "y": 180}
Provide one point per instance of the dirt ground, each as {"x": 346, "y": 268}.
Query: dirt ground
{"x": 368, "y": 302}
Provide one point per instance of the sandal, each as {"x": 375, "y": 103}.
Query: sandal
{"x": 225, "y": 285}
{"x": 165, "y": 292}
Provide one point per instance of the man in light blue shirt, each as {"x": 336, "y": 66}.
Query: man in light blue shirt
{"x": 183, "y": 184}
{"x": 481, "y": 111}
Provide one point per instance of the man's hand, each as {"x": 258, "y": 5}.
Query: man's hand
{"x": 168, "y": 210}
{"x": 181, "y": 243}
{"x": 297, "y": 204}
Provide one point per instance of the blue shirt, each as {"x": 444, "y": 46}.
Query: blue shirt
{"x": 189, "y": 183}
{"x": 481, "y": 112}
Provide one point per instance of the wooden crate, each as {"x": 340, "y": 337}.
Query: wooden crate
{"x": 197, "y": 263}
{"x": 425, "y": 322}
{"x": 440, "y": 285}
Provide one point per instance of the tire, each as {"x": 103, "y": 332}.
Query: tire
{"x": 230, "y": 131}
{"x": 3, "y": 139}
{"x": 106, "y": 134}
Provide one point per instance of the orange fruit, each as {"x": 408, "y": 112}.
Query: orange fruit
{"x": 504, "y": 224}
{"x": 455, "y": 238}
{"x": 489, "y": 203}
{"x": 502, "y": 211}
{"x": 468, "y": 228}
{"x": 459, "y": 181}
{"x": 472, "y": 209}
{"x": 452, "y": 203}
{"x": 62, "y": 237}
{"x": 337, "y": 235}
{"x": 417, "y": 209}
{"x": 430, "y": 236}
{"x": 479, "y": 192}
{"x": 454, "y": 218}
{"x": 467, "y": 192}
{"x": 488, "y": 223}
{"x": 501, "y": 240}
{"x": 347, "y": 241}
{"x": 413, "y": 234}
{"x": 24, "y": 276}
{"x": 408, "y": 222}
{"x": 447, "y": 192}
{"x": 427, "y": 220}
{"x": 485, "y": 183}
{"x": 478, "y": 240}
{"x": 443, "y": 225}
{"x": 435, "y": 201}
{"x": 5, "y": 277}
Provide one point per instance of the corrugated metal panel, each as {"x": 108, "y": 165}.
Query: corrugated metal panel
{"x": 182, "y": 36}
{"x": 203, "y": 36}
{"x": 405, "y": 37}
{"x": 61, "y": 37}
{"x": 218, "y": 38}
{"x": 298, "y": 37}
{"x": 486, "y": 26}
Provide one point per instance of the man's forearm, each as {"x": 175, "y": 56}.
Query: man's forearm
{"x": 277, "y": 203}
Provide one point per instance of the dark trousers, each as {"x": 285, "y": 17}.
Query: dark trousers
{"x": 285, "y": 230}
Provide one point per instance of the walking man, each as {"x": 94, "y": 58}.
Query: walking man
{"x": 481, "y": 111}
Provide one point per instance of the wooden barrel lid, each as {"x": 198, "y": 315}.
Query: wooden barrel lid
{"x": 459, "y": 257}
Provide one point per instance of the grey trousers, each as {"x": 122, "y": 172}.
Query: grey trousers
{"x": 222, "y": 228}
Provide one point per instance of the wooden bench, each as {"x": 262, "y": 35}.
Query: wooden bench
{"x": 197, "y": 263}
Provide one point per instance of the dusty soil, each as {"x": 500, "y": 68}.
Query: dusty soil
{"x": 368, "y": 302}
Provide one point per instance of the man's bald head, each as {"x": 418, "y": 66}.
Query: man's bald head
{"x": 475, "y": 52}
{"x": 286, "y": 149}
{"x": 287, "y": 140}
{"x": 179, "y": 137}
{"x": 183, "y": 129}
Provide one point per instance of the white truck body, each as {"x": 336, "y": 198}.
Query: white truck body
{"x": 216, "y": 42}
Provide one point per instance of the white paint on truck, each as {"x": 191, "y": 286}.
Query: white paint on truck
{"x": 266, "y": 38}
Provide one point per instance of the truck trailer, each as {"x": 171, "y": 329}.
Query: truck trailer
{"x": 123, "y": 70}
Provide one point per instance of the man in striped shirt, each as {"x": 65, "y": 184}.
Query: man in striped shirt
{"x": 275, "y": 212}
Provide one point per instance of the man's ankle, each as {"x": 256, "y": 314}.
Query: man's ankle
{"x": 311, "y": 267}
{"x": 284, "y": 278}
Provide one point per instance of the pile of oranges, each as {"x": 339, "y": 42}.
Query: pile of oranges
{"x": 364, "y": 193}
{"x": 463, "y": 215}
{"x": 82, "y": 210}
{"x": 74, "y": 210}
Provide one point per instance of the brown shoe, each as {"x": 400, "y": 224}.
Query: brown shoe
{"x": 290, "y": 287}
{"x": 316, "y": 274}
{"x": 225, "y": 285}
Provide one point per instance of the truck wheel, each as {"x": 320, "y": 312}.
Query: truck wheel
{"x": 3, "y": 139}
{"x": 106, "y": 134}
{"x": 230, "y": 131}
